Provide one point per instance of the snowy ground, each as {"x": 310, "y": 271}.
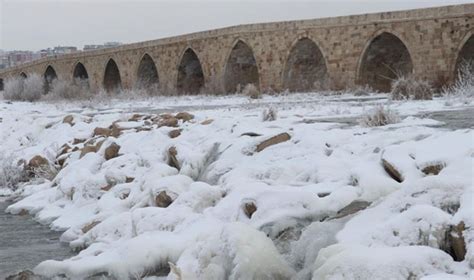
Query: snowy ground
{"x": 240, "y": 213}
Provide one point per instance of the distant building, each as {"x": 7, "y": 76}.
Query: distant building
{"x": 112, "y": 44}
{"x": 64, "y": 50}
{"x": 105, "y": 45}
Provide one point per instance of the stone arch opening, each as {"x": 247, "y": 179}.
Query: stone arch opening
{"x": 147, "y": 74}
{"x": 80, "y": 72}
{"x": 23, "y": 75}
{"x": 241, "y": 68}
{"x": 465, "y": 60}
{"x": 385, "y": 59}
{"x": 49, "y": 76}
{"x": 190, "y": 74}
{"x": 305, "y": 68}
{"x": 112, "y": 80}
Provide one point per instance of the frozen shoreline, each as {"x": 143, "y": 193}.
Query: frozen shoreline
{"x": 298, "y": 188}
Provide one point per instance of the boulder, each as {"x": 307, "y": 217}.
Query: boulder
{"x": 37, "y": 162}
{"x": 174, "y": 133}
{"x": 163, "y": 200}
{"x": 112, "y": 151}
{"x": 38, "y": 166}
{"x": 170, "y": 122}
{"x": 107, "y": 188}
{"x": 353, "y": 207}
{"x": 172, "y": 160}
{"x": 282, "y": 137}
{"x": 88, "y": 149}
{"x": 69, "y": 119}
{"x": 456, "y": 241}
{"x": 102, "y": 131}
{"x": 136, "y": 117}
{"x": 249, "y": 208}
{"x": 433, "y": 169}
{"x": 392, "y": 171}
{"x": 78, "y": 141}
{"x": 129, "y": 179}
{"x": 88, "y": 227}
{"x": 23, "y": 212}
{"x": 206, "y": 122}
{"x": 184, "y": 116}
{"x": 24, "y": 275}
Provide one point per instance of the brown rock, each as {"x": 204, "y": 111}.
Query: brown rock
{"x": 88, "y": 149}
{"x": 171, "y": 122}
{"x": 37, "y": 162}
{"x": 433, "y": 169}
{"x": 69, "y": 119}
{"x": 78, "y": 141}
{"x": 206, "y": 122}
{"x": 24, "y": 275}
{"x": 174, "y": 133}
{"x": 129, "y": 179}
{"x": 282, "y": 137}
{"x": 23, "y": 212}
{"x": 88, "y": 227}
{"x": 392, "y": 171}
{"x": 111, "y": 151}
{"x": 249, "y": 208}
{"x": 353, "y": 207}
{"x": 457, "y": 242}
{"x": 135, "y": 117}
{"x": 115, "y": 130}
{"x": 163, "y": 200}
{"x": 172, "y": 160}
{"x": 107, "y": 188}
{"x": 185, "y": 116}
{"x": 102, "y": 131}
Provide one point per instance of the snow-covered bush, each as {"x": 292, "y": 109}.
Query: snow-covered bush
{"x": 252, "y": 91}
{"x": 62, "y": 89}
{"x": 33, "y": 88}
{"x": 29, "y": 89}
{"x": 13, "y": 89}
{"x": 269, "y": 114}
{"x": 379, "y": 116}
{"x": 464, "y": 84}
{"x": 410, "y": 88}
{"x": 11, "y": 174}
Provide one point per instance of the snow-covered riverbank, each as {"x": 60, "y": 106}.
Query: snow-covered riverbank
{"x": 223, "y": 194}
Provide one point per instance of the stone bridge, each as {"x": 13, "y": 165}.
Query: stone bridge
{"x": 334, "y": 53}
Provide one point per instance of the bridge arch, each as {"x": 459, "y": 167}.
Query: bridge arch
{"x": 465, "y": 53}
{"x": 49, "y": 76}
{"x": 240, "y": 68}
{"x": 384, "y": 58}
{"x": 112, "y": 81}
{"x": 147, "y": 73}
{"x": 305, "y": 67}
{"x": 80, "y": 74}
{"x": 190, "y": 74}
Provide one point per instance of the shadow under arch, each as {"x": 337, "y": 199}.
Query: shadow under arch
{"x": 112, "y": 81}
{"x": 385, "y": 58}
{"x": 305, "y": 68}
{"x": 240, "y": 68}
{"x": 190, "y": 75}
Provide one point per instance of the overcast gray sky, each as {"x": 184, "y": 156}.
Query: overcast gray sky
{"x": 37, "y": 24}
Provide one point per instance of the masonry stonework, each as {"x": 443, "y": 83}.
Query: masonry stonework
{"x": 433, "y": 37}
